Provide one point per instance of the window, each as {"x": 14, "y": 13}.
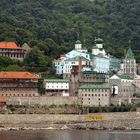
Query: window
{"x": 85, "y": 94}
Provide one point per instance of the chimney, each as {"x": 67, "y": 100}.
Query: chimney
{"x": 80, "y": 64}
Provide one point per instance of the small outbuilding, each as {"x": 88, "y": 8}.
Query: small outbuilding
{"x": 2, "y": 104}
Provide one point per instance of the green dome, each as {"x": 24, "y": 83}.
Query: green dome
{"x": 99, "y": 41}
{"x": 78, "y": 42}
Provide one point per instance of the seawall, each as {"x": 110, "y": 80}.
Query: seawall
{"x": 126, "y": 120}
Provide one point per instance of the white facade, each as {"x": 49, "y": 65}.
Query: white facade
{"x": 98, "y": 48}
{"x": 56, "y": 84}
{"x": 64, "y": 65}
{"x": 101, "y": 64}
{"x": 97, "y": 61}
{"x": 122, "y": 78}
{"x": 78, "y": 46}
{"x": 75, "y": 53}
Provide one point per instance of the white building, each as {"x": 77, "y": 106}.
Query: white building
{"x": 97, "y": 61}
{"x": 64, "y": 64}
{"x": 98, "y": 48}
{"x": 100, "y": 64}
{"x": 57, "y": 87}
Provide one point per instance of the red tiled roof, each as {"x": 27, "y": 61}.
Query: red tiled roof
{"x": 2, "y": 100}
{"x": 18, "y": 75}
{"x": 9, "y": 45}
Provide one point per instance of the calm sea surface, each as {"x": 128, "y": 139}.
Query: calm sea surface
{"x": 70, "y": 135}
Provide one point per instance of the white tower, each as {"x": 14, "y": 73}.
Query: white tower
{"x": 78, "y": 45}
{"x": 99, "y": 43}
{"x": 98, "y": 48}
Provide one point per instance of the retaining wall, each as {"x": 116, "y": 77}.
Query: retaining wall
{"x": 126, "y": 120}
{"x": 43, "y": 100}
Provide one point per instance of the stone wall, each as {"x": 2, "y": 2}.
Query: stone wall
{"x": 37, "y": 118}
{"x": 43, "y": 100}
{"x": 126, "y": 120}
{"x": 118, "y": 101}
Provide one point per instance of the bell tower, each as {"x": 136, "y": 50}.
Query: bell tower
{"x": 129, "y": 63}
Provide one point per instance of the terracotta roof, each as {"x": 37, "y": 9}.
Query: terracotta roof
{"x": 2, "y": 100}
{"x": 9, "y": 45}
{"x": 18, "y": 75}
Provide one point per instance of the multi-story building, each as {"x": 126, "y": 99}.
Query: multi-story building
{"x": 65, "y": 63}
{"x": 75, "y": 61}
{"x": 97, "y": 60}
{"x": 122, "y": 85}
{"x": 78, "y": 78}
{"x": 90, "y": 77}
{"x": 101, "y": 64}
{"x": 18, "y": 84}
{"x": 58, "y": 87}
{"x": 10, "y": 49}
{"x": 95, "y": 94}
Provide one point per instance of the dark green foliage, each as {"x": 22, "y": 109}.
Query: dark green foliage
{"x": 35, "y": 60}
{"x": 53, "y": 25}
{"x": 41, "y": 88}
{"x": 112, "y": 108}
{"x": 8, "y": 64}
{"x": 137, "y": 95}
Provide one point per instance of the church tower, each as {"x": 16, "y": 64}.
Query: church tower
{"x": 129, "y": 63}
{"x": 78, "y": 45}
{"x": 98, "y": 48}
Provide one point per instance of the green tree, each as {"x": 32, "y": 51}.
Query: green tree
{"x": 35, "y": 60}
{"x": 14, "y": 68}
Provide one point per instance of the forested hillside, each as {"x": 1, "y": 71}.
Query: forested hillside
{"x": 53, "y": 25}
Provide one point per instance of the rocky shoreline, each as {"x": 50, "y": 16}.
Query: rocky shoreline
{"x": 98, "y": 121}
{"x": 67, "y": 126}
